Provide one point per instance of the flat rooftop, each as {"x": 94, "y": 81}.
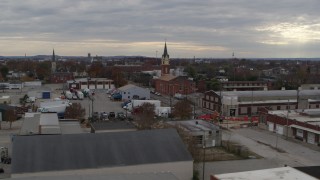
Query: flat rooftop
{"x": 311, "y": 116}
{"x": 282, "y": 173}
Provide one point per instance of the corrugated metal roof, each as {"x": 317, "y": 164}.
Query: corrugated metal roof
{"x": 132, "y": 176}
{"x": 112, "y": 125}
{"x": 49, "y": 119}
{"x": 84, "y": 151}
{"x": 126, "y": 87}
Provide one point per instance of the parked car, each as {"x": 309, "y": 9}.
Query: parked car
{"x": 112, "y": 115}
{"x": 121, "y": 116}
{"x": 74, "y": 97}
{"x": 104, "y": 116}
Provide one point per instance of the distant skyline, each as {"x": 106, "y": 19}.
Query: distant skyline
{"x": 204, "y": 28}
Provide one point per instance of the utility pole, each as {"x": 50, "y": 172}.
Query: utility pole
{"x": 251, "y": 121}
{"x": 204, "y": 153}
{"x": 288, "y": 107}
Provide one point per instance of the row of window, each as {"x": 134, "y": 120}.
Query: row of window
{"x": 245, "y": 84}
{"x": 212, "y": 98}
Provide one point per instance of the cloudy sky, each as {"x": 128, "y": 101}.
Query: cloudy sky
{"x": 201, "y": 28}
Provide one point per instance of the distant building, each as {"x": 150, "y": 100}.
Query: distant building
{"x": 300, "y": 124}
{"x": 61, "y": 77}
{"x": 207, "y": 134}
{"x": 131, "y": 91}
{"x": 244, "y": 103}
{"x": 91, "y": 83}
{"x": 169, "y": 84}
{"x": 245, "y": 85}
{"x": 149, "y": 151}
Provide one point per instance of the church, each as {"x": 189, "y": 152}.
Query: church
{"x": 58, "y": 77}
{"x": 169, "y": 84}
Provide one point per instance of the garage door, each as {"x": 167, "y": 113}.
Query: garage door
{"x": 311, "y": 138}
{"x": 270, "y": 126}
{"x": 279, "y": 129}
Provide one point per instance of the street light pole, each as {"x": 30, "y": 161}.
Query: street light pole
{"x": 204, "y": 154}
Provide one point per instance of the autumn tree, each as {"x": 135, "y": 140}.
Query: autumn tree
{"x": 75, "y": 111}
{"x": 118, "y": 77}
{"x": 145, "y": 116}
{"x": 4, "y": 71}
{"x": 10, "y": 116}
{"x": 182, "y": 110}
{"x": 43, "y": 70}
{"x": 95, "y": 69}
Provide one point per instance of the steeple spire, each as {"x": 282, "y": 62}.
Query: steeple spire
{"x": 53, "y": 56}
{"x": 165, "y": 52}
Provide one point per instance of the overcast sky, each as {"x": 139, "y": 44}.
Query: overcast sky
{"x": 201, "y": 28}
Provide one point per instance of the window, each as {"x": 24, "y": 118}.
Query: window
{"x": 124, "y": 92}
{"x": 317, "y": 106}
{"x": 278, "y": 107}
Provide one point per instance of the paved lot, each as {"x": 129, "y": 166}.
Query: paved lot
{"x": 263, "y": 143}
{"x": 101, "y": 103}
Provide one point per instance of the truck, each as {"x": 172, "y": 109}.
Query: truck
{"x": 79, "y": 95}
{"x": 59, "y": 109}
{"x": 86, "y": 92}
{"x": 116, "y": 97}
{"x": 137, "y": 103}
{"x": 68, "y": 94}
{"x": 163, "y": 111}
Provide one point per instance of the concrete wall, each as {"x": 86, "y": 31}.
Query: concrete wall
{"x": 182, "y": 170}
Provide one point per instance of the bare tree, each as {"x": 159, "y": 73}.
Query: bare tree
{"x": 145, "y": 116}
{"x": 182, "y": 110}
{"x": 75, "y": 111}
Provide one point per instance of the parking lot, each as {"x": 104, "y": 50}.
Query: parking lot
{"x": 100, "y": 103}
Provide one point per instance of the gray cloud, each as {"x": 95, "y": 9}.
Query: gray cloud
{"x": 205, "y": 28}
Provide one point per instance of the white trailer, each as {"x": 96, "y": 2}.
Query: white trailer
{"x": 58, "y": 109}
{"x": 51, "y": 103}
{"x": 137, "y": 103}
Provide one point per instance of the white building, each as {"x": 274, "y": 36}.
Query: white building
{"x": 131, "y": 91}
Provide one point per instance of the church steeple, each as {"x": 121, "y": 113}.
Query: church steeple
{"x": 53, "y": 63}
{"x": 165, "y": 62}
{"x": 53, "y": 56}
{"x": 165, "y": 52}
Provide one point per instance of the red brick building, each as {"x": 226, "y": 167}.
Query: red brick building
{"x": 168, "y": 84}
{"x": 61, "y": 77}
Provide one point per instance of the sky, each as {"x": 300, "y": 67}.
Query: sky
{"x": 200, "y": 28}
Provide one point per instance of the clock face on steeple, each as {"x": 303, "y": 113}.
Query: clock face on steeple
{"x": 166, "y": 61}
